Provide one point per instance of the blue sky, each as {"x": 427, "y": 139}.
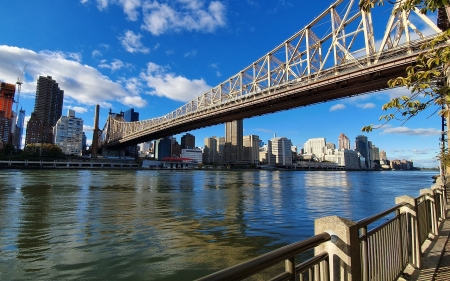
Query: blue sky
{"x": 155, "y": 56}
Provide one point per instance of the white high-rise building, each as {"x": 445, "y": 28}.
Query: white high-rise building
{"x": 251, "y": 149}
{"x": 263, "y": 154}
{"x": 316, "y": 146}
{"x": 68, "y": 134}
{"x": 144, "y": 148}
{"x": 346, "y": 158}
{"x": 192, "y": 153}
{"x": 279, "y": 151}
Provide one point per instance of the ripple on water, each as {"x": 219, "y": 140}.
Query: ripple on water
{"x": 171, "y": 225}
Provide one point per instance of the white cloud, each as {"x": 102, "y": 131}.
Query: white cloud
{"x": 338, "y": 106}
{"x": 134, "y": 101}
{"x": 398, "y": 92}
{"x": 132, "y": 43}
{"x": 408, "y": 131}
{"x": 366, "y": 105}
{"x": 87, "y": 128}
{"x": 77, "y": 109}
{"x": 102, "y": 4}
{"x": 190, "y": 54}
{"x": 25, "y": 122}
{"x": 75, "y": 56}
{"x": 160, "y": 18}
{"x": 96, "y": 53}
{"x": 133, "y": 85}
{"x": 165, "y": 84}
{"x": 115, "y": 65}
{"x": 130, "y": 8}
{"x": 81, "y": 83}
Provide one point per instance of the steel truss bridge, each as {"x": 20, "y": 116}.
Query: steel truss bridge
{"x": 334, "y": 56}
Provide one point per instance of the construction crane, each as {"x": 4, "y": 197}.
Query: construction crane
{"x": 19, "y": 87}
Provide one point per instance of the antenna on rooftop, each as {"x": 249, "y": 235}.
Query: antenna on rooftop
{"x": 19, "y": 87}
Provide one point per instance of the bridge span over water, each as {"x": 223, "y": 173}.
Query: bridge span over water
{"x": 335, "y": 56}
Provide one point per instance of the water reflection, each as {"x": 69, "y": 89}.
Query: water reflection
{"x": 33, "y": 240}
{"x": 325, "y": 189}
{"x": 169, "y": 225}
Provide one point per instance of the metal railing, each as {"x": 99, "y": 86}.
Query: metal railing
{"x": 386, "y": 249}
{"x": 393, "y": 242}
{"x": 316, "y": 267}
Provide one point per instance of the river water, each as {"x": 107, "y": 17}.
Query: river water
{"x": 172, "y": 225}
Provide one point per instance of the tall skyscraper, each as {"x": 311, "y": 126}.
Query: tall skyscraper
{"x": 343, "y": 141}
{"x": 83, "y": 143}
{"x": 34, "y": 130}
{"x": 176, "y": 148}
{"x": 279, "y": 151}
{"x": 131, "y": 116}
{"x": 220, "y": 149}
{"x": 163, "y": 148}
{"x": 47, "y": 109}
{"x": 251, "y": 149}
{"x": 374, "y": 152}
{"x": 68, "y": 134}
{"x": 210, "y": 153}
{"x": 7, "y": 92}
{"x": 362, "y": 146}
{"x": 19, "y": 129}
{"x": 187, "y": 141}
{"x": 234, "y": 133}
{"x": 383, "y": 155}
{"x": 5, "y": 128}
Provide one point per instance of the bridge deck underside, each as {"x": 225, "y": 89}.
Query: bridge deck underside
{"x": 336, "y": 86}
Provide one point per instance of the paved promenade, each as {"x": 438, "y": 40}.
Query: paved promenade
{"x": 436, "y": 257}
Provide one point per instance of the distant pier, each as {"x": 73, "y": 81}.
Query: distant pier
{"x": 26, "y": 164}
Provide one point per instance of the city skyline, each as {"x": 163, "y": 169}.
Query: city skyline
{"x": 129, "y": 61}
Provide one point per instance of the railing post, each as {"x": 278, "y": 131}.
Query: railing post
{"x": 433, "y": 219}
{"x": 413, "y": 241}
{"x": 399, "y": 225}
{"x": 343, "y": 249}
{"x": 289, "y": 266}
{"x": 439, "y": 189}
{"x": 364, "y": 254}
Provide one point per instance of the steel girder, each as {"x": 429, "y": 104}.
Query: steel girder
{"x": 347, "y": 41}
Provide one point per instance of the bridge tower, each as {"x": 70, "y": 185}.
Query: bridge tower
{"x": 234, "y": 138}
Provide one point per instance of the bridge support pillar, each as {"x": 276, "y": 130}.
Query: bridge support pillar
{"x": 343, "y": 249}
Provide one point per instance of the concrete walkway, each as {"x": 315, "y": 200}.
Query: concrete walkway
{"x": 435, "y": 258}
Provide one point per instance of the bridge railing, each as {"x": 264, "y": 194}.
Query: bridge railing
{"x": 379, "y": 247}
